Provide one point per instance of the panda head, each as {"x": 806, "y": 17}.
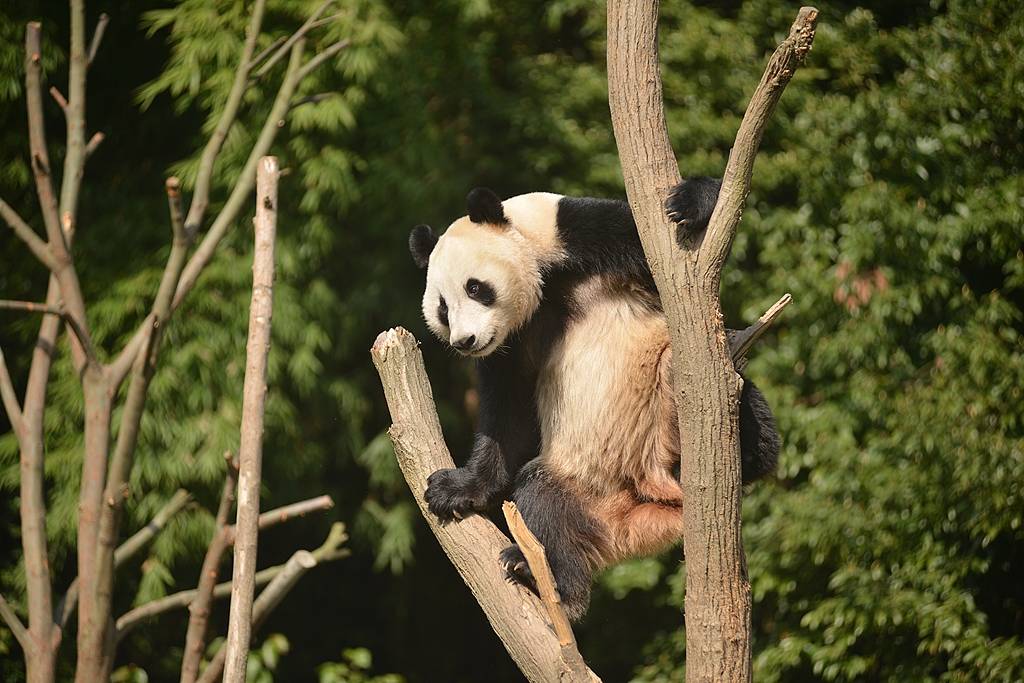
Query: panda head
{"x": 483, "y": 277}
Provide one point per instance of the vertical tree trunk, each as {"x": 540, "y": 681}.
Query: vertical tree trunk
{"x": 250, "y": 453}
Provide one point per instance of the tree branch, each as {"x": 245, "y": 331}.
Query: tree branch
{"x": 472, "y": 545}
{"x": 199, "y": 609}
{"x": 287, "y": 45}
{"x": 14, "y": 623}
{"x": 58, "y": 97}
{"x": 330, "y": 551}
{"x": 298, "y": 564}
{"x": 736, "y": 180}
{"x": 40, "y": 158}
{"x": 127, "y": 550}
{"x": 47, "y": 309}
{"x": 26, "y": 234}
{"x": 323, "y": 56}
{"x": 97, "y": 36}
{"x": 537, "y": 560}
{"x": 254, "y": 394}
{"x": 740, "y": 341}
{"x": 10, "y": 399}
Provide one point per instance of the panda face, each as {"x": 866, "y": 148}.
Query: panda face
{"x": 483, "y": 283}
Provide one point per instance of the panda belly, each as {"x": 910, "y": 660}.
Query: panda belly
{"x": 608, "y": 422}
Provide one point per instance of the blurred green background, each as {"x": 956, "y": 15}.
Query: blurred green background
{"x": 888, "y": 198}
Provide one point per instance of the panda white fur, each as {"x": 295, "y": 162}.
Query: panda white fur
{"x": 554, "y": 298}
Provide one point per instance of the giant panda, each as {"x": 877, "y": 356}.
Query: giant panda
{"x": 553, "y": 298}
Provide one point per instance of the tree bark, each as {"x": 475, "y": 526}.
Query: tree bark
{"x": 250, "y": 452}
{"x": 707, "y": 387}
{"x": 472, "y": 545}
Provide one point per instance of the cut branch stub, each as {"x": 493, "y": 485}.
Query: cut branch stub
{"x": 473, "y": 544}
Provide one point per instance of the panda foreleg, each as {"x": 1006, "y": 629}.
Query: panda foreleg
{"x": 572, "y": 538}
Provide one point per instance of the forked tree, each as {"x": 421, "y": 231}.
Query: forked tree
{"x": 106, "y": 462}
{"x": 704, "y": 372}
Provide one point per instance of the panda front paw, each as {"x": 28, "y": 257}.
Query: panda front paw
{"x": 517, "y": 569}
{"x": 452, "y": 494}
{"x": 691, "y": 203}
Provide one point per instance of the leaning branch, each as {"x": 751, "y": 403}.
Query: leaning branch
{"x": 10, "y": 399}
{"x": 14, "y": 623}
{"x": 283, "y": 49}
{"x": 516, "y": 615}
{"x": 48, "y": 309}
{"x": 740, "y": 341}
{"x": 736, "y": 180}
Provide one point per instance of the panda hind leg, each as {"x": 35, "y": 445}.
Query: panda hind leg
{"x": 572, "y": 539}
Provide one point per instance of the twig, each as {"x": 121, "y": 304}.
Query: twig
{"x": 97, "y": 36}
{"x": 312, "y": 99}
{"x": 10, "y": 399}
{"x": 740, "y": 341}
{"x": 250, "y": 451}
{"x": 36, "y": 130}
{"x": 14, "y": 623}
{"x": 26, "y": 234}
{"x": 536, "y": 558}
{"x": 329, "y": 551}
{"x": 47, "y": 309}
{"x": 94, "y": 142}
{"x": 58, "y": 98}
{"x": 323, "y": 56}
{"x": 473, "y": 545}
{"x": 295, "y": 37}
{"x": 271, "y": 596}
{"x": 128, "y": 549}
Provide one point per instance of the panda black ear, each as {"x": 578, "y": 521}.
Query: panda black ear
{"x": 485, "y": 207}
{"x": 421, "y": 242}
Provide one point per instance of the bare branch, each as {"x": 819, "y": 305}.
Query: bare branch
{"x": 74, "y": 156}
{"x": 246, "y": 179}
{"x": 127, "y": 550}
{"x": 254, "y": 394}
{"x": 27, "y": 235}
{"x": 173, "y": 188}
{"x": 122, "y": 365}
{"x": 299, "y": 563}
{"x": 14, "y": 623}
{"x": 94, "y": 142}
{"x": 58, "y": 98}
{"x": 201, "y": 194}
{"x": 736, "y": 180}
{"x": 473, "y": 545}
{"x": 199, "y": 610}
{"x": 46, "y": 309}
{"x": 36, "y": 130}
{"x": 295, "y": 37}
{"x": 10, "y": 399}
{"x": 97, "y": 36}
{"x": 740, "y": 341}
{"x": 330, "y": 551}
{"x": 536, "y": 558}
{"x": 323, "y": 56}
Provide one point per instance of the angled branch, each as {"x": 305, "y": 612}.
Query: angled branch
{"x": 36, "y": 130}
{"x": 47, "y": 309}
{"x": 298, "y": 564}
{"x": 94, "y": 142}
{"x": 14, "y": 623}
{"x": 536, "y": 558}
{"x": 330, "y": 551}
{"x": 736, "y": 180}
{"x": 740, "y": 341}
{"x": 323, "y": 56}
{"x": 516, "y": 615}
{"x": 127, "y": 550}
{"x": 58, "y": 98}
{"x": 39, "y": 248}
{"x": 280, "y": 52}
{"x": 10, "y": 399}
{"x": 97, "y": 36}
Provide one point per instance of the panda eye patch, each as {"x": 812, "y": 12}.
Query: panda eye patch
{"x": 480, "y": 292}
{"x": 442, "y": 312}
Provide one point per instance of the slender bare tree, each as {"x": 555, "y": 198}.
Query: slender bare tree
{"x": 106, "y": 466}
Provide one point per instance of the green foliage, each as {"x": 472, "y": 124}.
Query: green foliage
{"x": 354, "y": 668}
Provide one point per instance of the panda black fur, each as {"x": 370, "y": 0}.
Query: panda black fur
{"x": 577, "y": 423}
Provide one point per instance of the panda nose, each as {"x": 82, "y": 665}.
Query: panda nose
{"x": 465, "y": 343}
